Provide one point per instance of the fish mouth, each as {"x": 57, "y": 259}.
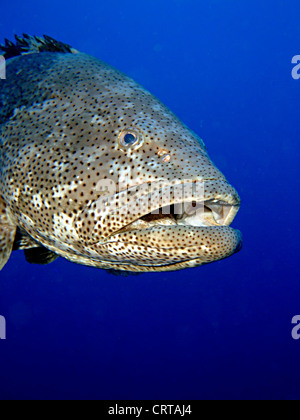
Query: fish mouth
{"x": 194, "y": 214}
{"x": 168, "y": 228}
{"x": 190, "y": 206}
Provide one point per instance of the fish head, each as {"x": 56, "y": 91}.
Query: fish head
{"x": 160, "y": 203}
{"x": 98, "y": 170}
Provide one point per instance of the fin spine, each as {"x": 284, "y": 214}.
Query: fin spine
{"x": 32, "y": 45}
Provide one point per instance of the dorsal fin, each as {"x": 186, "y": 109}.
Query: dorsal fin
{"x": 32, "y": 45}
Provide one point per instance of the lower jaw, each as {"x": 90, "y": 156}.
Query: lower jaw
{"x": 156, "y": 250}
{"x": 132, "y": 268}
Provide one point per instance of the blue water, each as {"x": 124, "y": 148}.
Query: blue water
{"x": 219, "y": 331}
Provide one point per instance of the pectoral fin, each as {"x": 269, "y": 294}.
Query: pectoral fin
{"x": 24, "y": 241}
{"x": 7, "y": 234}
{"x": 34, "y": 252}
{"x": 40, "y": 256}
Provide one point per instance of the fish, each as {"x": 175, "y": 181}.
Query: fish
{"x": 96, "y": 170}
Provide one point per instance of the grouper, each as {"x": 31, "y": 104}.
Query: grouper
{"x": 95, "y": 169}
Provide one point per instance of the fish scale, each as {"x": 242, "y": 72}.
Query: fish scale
{"x": 76, "y": 134}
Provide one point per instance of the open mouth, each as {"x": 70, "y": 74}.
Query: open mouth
{"x": 197, "y": 214}
{"x": 212, "y": 203}
{"x": 207, "y": 213}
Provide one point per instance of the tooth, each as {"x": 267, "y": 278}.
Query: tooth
{"x": 217, "y": 216}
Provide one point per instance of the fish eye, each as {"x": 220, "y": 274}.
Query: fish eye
{"x": 129, "y": 138}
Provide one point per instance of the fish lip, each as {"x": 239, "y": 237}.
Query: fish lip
{"x": 238, "y": 235}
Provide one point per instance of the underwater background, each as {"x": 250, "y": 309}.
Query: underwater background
{"x": 222, "y": 331}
